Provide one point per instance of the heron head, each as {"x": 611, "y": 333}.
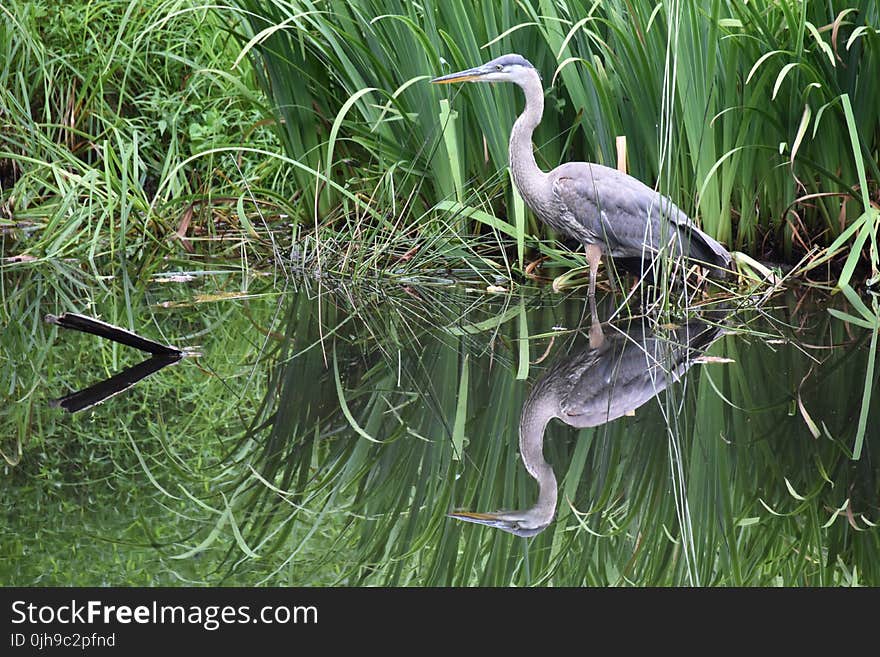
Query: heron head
{"x": 520, "y": 523}
{"x": 507, "y": 68}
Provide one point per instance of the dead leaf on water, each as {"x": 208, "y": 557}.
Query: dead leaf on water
{"x": 208, "y": 298}
{"x": 174, "y": 278}
{"x": 704, "y": 360}
{"x": 811, "y": 425}
{"x": 24, "y": 257}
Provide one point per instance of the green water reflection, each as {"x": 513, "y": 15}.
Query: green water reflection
{"x": 326, "y": 432}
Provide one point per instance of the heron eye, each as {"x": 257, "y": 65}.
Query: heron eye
{"x": 499, "y": 67}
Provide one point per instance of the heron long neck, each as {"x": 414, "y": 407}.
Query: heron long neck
{"x": 538, "y": 410}
{"x": 527, "y": 177}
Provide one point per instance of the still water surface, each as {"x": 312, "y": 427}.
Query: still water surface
{"x": 325, "y": 434}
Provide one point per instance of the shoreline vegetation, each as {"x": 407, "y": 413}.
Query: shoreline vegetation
{"x": 284, "y": 128}
{"x": 289, "y": 165}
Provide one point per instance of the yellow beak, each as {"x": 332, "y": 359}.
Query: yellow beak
{"x": 462, "y": 76}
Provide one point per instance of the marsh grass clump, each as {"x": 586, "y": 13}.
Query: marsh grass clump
{"x": 759, "y": 119}
{"x": 250, "y": 127}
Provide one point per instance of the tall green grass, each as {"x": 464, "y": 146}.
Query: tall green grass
{"x": 760, "y": 119}
{"x": 100, "y": 103}
{"x": 755, "y": 142}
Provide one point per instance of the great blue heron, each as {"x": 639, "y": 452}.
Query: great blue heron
{"x": 605, "y": 209}
{"x": 588, "y": 387}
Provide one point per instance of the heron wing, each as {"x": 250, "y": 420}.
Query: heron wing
{"x": 632, "y": 368}
{"x": 606, "y": 207}
{"x": 598, "y": 204}
{"x": 601, "y": 385}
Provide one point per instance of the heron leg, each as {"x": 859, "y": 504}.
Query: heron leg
{"x": 594, "y": 255}
{"x": 597, "y": 336}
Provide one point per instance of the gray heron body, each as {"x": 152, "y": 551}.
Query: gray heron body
{"x": 595, "y": 384}
{"x": 608, "y": 211}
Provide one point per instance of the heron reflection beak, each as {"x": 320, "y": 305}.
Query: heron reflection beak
{"x": 496, "y": 520}
{"x": 469, "y": 75}
{"x": 488, "y": 519}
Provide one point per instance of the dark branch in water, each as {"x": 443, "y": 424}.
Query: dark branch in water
{"x": 103, "y": 390}
{"x": 163, "y": 355}
{"x": 109, "y": 332}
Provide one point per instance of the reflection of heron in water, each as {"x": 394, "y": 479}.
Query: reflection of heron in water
{"x": 612, "y": 376}
{"x": 605, "y": 209}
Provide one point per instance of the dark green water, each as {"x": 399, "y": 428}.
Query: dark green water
{"x": 325, "y": 433}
